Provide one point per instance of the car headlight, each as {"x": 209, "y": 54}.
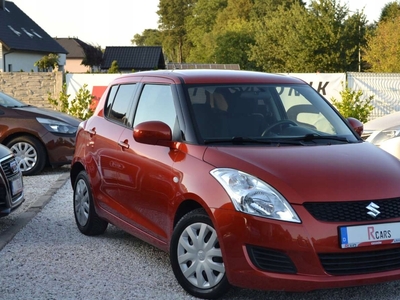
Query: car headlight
{"x": 252, "y": 196}
{"x": 57, "y": 126}
{"x": 377, "y": 138}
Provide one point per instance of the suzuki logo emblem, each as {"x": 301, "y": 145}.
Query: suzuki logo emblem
{"x": 373, "y": 209}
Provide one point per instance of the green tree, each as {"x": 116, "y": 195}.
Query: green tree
{"x": 114, "y": 68}
{"x": 172, "y": 18}
{"x": 234, "y": 34}
{"x": 383, "y": 51}
{"x": 232, "y": 47}
{"x": 353, "y": 105}
{"x": 93, "y": 56}
{"x": 323, "y": 36}
{"x": 390, "y": 11}
{"x": 47, "y": 62}
{"x": 200, "y": 25}
{"x": 79, "y": 107}
{"x": 149, "y": 37}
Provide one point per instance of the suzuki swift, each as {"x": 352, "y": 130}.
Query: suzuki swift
{"x": 246, "y": 179}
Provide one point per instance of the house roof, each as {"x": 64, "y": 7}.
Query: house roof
{"x": 74, "y": 46}
{"x": 19, "y": 32}
{"x": 137, "y": 58}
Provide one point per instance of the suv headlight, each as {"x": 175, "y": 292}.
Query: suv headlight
{"x": 377, "y": 138}
{"x": 57, "y": 126}
{"x": 252, "y": 196}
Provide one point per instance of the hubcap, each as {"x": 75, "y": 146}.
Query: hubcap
{"x": 26, "y": 155}
{"x": 81, "y": 199}
{"x": 200, "y": 257}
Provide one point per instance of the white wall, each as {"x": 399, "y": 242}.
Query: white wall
{"x": 21, "y": 61}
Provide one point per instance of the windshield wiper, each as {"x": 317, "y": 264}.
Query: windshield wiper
{"x": 238, "y": 140}
{"x": 314, "y": 137}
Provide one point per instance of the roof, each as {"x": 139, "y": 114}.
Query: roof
{"x": 74, "y": 46}
{"x": 137, "y": 58}
{"x": 174, "y": 66}
{"x": 19, "y": 32}
{"x": 210, "y": 76}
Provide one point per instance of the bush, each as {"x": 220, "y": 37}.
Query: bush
{"x": 353, "y": 106}
{"x": 79, "y": 107}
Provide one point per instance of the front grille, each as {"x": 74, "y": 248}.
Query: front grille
{"x": 271, "y": 260}
{"x": 10, "y": 169}
{"x": 360, "y": 262}
{"x": 7, "y": 167}
{"x": 353, "y": 211}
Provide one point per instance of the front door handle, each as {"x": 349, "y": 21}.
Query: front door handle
{"x": 124, "y": 144}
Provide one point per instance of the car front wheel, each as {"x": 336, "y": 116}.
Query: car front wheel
{"x": 30, "y": 154}
{"x": 87, "y": 220}
{"x": 196, "y": 256}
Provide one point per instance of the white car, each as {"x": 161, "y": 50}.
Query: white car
{"x": 384, "y": 132}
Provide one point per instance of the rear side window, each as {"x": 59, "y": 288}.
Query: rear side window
{"x": 119, "y": 102}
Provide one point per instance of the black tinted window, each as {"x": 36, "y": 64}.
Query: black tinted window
{"x": 110, "y": 99}
{"x": 120, "y": 107}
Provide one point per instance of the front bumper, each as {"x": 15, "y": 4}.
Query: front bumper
{"x": 11, "y": 186}
{"x": 265, "y": 254}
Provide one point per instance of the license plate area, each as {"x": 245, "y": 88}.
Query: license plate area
{"x": 16, "y": 185}
{"x": 369, "y": 235}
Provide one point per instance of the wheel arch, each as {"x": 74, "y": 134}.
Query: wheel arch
{"x": 76, "y": 168}
{"x": 184, "y": 208}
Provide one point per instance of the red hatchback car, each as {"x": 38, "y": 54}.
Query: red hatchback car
{"x": 246, "y": 179}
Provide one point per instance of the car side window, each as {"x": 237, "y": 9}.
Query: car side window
{"x": 110, "y": 99}
{"x": 156, "y": 103}
{"x": 119, "y": 108}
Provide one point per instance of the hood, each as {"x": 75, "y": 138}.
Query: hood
{"x": 4, "y": 151}
{"x": 53, "y": 114}
{"x": 345, "y": 172}
{"x": 384, "y": 122}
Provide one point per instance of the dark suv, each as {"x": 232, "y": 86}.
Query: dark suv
{"x": 11, "y": 182}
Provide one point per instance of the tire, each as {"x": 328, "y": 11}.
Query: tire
{"x": 30, "y": 154}
{"x": 198, "y": 265}
{"x": 86, "y": 218}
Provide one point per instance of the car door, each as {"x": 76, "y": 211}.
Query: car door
{"x": 147, "y": 185}
{"x": 104, "y": 133}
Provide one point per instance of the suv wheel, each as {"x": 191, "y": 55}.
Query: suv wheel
{"x": 196, "y": 257}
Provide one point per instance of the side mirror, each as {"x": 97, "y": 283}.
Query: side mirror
{"x": 356, "y": 125}
{"x": 153, "y": 133}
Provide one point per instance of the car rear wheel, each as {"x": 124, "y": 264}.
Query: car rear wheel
{"x": 30, "y": 154}
{"x": 87, "y": 220}
{"x": 196, "y": 256}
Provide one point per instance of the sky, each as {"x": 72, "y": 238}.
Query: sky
{"x": 115, "y": 22}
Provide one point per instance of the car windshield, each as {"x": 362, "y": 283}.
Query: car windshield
{"x": 8, "y": 101}
{"x": 286, "y": 114}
